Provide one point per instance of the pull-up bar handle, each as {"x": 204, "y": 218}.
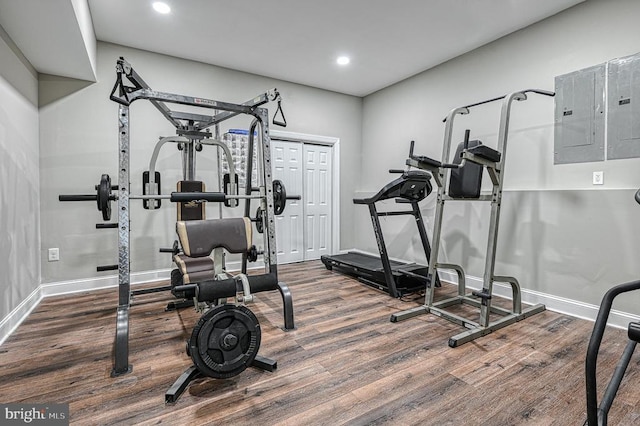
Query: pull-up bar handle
{"x": 538, "y": 91}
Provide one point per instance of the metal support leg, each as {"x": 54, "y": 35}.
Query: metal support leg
{"x": 121, "y": 354}
{"x": 266, "y": 364}
{"x": 516, "y": 296}
{"x": 181, "y": 384}
{"x": 424, "y": 238}
{"x": 612, "y": 388}
{"x": 384, "y": 255}
{"x": 287, "y": 302}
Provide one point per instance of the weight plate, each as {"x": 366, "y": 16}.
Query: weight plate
{"x": 176, "y": 279}
{"x": 104, "y": 193}
{"x": 259, "y": 220}
{"x": 225, "y": 341}
{"x": 279, "y": 197}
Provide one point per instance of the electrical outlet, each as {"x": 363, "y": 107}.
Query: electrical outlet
{"x": 54, "y": 254}
{"x": 598, "y": 178}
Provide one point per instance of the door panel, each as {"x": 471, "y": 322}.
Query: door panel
{"x": 287, "y": 167}
{"x": 317, "y": 197}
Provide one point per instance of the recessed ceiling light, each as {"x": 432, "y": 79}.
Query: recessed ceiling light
{"x": 343, "y": 60}
{"x": 161, "y": 7}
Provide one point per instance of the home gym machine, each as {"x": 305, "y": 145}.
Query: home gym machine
{"x": 597, "y": 414}
{"x": 394, "y": 277}
{"x": 230, "y": 324}
{"x": 465, "y": 179}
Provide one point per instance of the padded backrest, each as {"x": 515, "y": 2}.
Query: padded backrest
{"x": 192, "y": 210}
{"x": 465, "y": 182}
{"x": 199, "y": 237}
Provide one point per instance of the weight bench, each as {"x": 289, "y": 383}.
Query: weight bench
{"x": 204, "y": 277}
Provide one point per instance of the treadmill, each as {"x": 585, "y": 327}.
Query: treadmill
{"x": 395, "y": 278}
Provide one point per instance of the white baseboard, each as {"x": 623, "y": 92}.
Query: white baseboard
{"x": 9, "y": 323}
{"x": 97, "y": 283}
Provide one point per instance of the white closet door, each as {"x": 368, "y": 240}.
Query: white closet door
{"x": 317, "y": 201}
{"x": 288, "y": 168}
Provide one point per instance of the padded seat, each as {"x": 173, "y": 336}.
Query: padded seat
{"x": 194, "y": 269}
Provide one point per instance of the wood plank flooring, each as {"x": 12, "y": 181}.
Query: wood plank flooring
{"x": 344, "y": 364}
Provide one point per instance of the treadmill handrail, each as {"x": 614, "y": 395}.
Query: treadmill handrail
{"x": 412, "y": 175}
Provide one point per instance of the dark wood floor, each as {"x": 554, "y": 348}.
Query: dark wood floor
{"x": 344, "y": 364}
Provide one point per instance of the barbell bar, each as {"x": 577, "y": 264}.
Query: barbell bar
{"x": 104, "y": 196}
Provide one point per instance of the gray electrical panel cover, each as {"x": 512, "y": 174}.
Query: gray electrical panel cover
{"x": 579, "y": 116}
{"x": 623, "y": 126}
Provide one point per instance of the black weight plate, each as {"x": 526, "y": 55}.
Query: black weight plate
{"x": 279, "y": 197}
{"x": 225, "y": 341}
{"x": 176, "y": 279}
{"x": 259, "y": 220}
{"x": 104, "y": 193}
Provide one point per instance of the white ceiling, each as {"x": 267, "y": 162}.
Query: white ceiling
{"x": 293, "y": 40}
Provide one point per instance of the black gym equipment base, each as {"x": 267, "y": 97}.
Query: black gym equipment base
{"x": 408, "y": 277}
{"x": 192, "y": 373}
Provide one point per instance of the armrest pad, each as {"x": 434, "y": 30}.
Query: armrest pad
{"x": 485, "y": 152}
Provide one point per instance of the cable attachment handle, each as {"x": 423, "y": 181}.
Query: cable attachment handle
{"x": 123, "y": 67}
{"x": 283, "y": 122}
{"x": 122, "y": 97}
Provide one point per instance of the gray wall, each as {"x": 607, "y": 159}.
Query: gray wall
{"x": 559, "y": 234}
{"x": 19, "y": 178}
{"x": 78, "y": 137}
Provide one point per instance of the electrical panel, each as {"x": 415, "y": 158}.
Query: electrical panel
{"x": 623, "y": 125}
{"x": 579, "y": 116}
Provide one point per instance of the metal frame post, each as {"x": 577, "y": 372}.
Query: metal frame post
{"x": 121, "y": 351}
{"x": 496, "y": 203}
{"x": 262, "y": 115}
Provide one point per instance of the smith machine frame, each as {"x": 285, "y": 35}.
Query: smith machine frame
{"x": 194, "y": 128}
